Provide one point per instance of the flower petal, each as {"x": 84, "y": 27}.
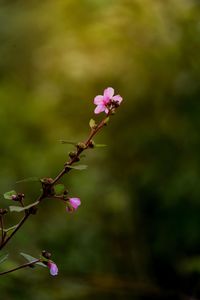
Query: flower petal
{"x": 98, "y": 99}
{"x": 117, "y": 98}
{"x": 106, "y": 110}
{"x": 75, "y": 202}
{"x": 53, "y": 268}
{"x": 99, "y": 108}
{"x": 108, "y": 93}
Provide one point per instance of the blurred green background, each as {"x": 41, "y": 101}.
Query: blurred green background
{"x": 137, "y": 232}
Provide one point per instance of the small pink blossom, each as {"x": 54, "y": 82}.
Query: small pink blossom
{"x": 73, "y": 204}
{"x": 52, "y": 267}
{"x": 103, "y": 101}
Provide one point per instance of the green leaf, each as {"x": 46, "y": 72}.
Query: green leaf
{"x": 41, "y": 264}
{"x": 28, "y": 179}
{"x": 28, "y": 257}
{"x": 92, "y": 124}
{"x": 59, "y": 189}
{"x": 3, "y": 258}
{"x": 32, "y": 259}
{"x": 78, "y": 167}
{"x": 16, "y": 208}
{"x": 8, "y": 195}
{"x": 68, "y": 142}
{"x": 106, "y": 120}
{"x": 20, "y": 208}
{"x": 10, "y": 228}
{"x": 100, "y": 145}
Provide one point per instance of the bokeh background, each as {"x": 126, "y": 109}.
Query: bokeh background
{"x": 137, "y": 233}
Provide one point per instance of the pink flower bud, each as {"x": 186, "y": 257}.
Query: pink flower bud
{"x": 14, "y": 197}
{"x": 73, "y": 204}
{"x": 52, "y": 267}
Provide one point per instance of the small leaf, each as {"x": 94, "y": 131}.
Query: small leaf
{"x": 28, "y": 257}
{"x": 106, "y": 120}
{"x": 59, "y": 189}
{"x": 78, "y": 167}
{"x": 16, "y": 208}
{"x": 92, "y": 124}
{"x": 32, "y": 259}
{"x": 28, "y": 179}
{"x": 8, "y": 195}
{"x": 3, "y": 258}
{"x": 19, "y": 208}
{"x": 100, "y": 145}
{"x": 10, "y": 228}
{"x": 68, "y": 142}
{"x": 41, "y": 264}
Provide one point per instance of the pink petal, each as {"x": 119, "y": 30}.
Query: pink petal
{"x": 75, "y": 202}
{"x": 53, "y": 268}
{"x": 98, "y": 100}
{"x": 117, "y": 98}
{"x": 106, "y": 110}
{"x": 99, "y": 109}
{"x": 108, "y": 93}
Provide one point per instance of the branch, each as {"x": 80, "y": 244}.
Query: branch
{"x": 26, "y": 216}
{"x": 30, "y": 264}
{"x": 76, "y": 158}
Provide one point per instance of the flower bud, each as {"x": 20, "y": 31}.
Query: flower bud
{"x": 52, "y": 267}
{"x": 91, "y": 144}
{"x": 73, "y": 204}
{"x": 46, "y": 254}
{"x": 14, "y": 197}
{"x": 72, "y": 154}
{"x": 81, "y": 146}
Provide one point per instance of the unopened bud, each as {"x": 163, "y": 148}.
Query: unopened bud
{"x": 14, "y": 197}
{"x": 91, "y": 144}
{"x": 46, "y": 180}
{"x": 18, "y": 197}
{"x": 81, "y": 146}
{"x": 46, "y": 254}
{"x": 72, "y": 154}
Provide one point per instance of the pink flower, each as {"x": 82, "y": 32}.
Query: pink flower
{"x": 73, "y": 204}
{"x": 104, "y": 101}
{"x": 52, "y": 267}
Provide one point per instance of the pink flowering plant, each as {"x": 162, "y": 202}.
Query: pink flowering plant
{"x": 51, "y": 188}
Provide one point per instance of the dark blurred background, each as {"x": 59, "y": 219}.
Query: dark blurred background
{"x": 137, "y": 232}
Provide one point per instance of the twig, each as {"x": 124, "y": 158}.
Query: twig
{"x": 16, "y": 229}
{"x": 2, "y": 227}
{"x": 93, "y": 132}
{"x": 21, "y": 267}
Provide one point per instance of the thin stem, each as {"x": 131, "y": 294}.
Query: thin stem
{"x": 21, "y": 267}
{"x": 16, "y": 229}
{"x": 22, "y": 203}
{"x": 58, "y": 198}
{"x": 79, "y": 151}
{"x": 26, "y": 216}
{"x": 2, "y": 227}
{"x": 59, "y": 176}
